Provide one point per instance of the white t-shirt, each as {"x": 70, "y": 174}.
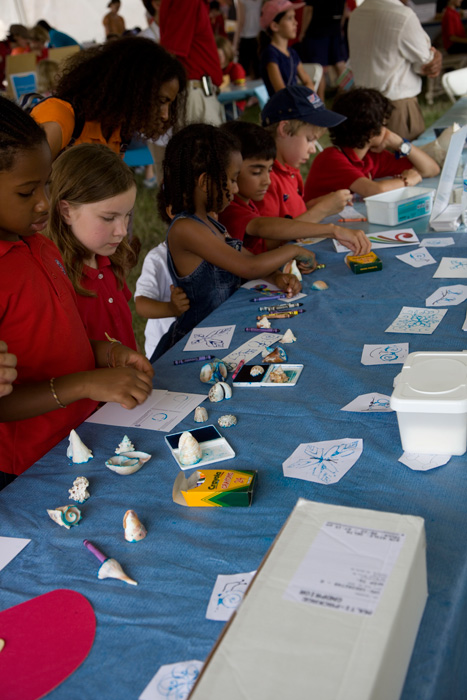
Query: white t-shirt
{"x": 252, "y": 10}
{"x": 154, "y": 283}
{"x": 152, "y": 32}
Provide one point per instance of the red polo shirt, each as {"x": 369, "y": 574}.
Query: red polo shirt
{"x": 336, "y": 169}
{"x": 285, "y": 193}
{"x": 186, "y": 31}
{"x": 452, "y": 26}
{"x": 40, "y": 323}
{"x": 109, "y": 311}
{"x": 236, "y": 218}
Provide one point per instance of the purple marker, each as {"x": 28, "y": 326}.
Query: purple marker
{"x": 262, "y": 330}
{"x": 93, "y": 549}
{"x": 273, "y": 296}
{"x": 193, "y": 359}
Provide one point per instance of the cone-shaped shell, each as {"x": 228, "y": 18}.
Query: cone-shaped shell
{"x": 125, "y": 446}
{"x": 263, "y": 323}
{"x": 77, "y": 450}
{"x": 214, "y": 371}
{"x": 189, "y": 450}
{"x": 201, "y": 415}
{"x": 277, "y": 355}
{"x": 66, "y": 516}
{"x": 220, "y": 391}
{"x": 112, "y": 569}
{"x": 288, "y": 337}
{"x": 134, "y": 528}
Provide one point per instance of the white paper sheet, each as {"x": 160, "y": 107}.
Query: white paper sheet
{"x": 423, "y": 463}
{"x": 162, "y": 410}
{"x": 253, "y": 284}
{"x": 385, "y": 239}
{"x": 250, "y": 349}
{"x": 323, "y": 462}
{"x": 173, "y": 681}
{"x": 437, "y": 242}
{"x": 448, "y": 296}
{"x": 444, "y": 214}
{"x": 389, "y": 354}
{"x": 464, "y": 325}
{"x": 454, "y": 268}
{"x": 211, "y": 338}
{"x": 369, "y": 403}
{"x": 9, "y": 548}
{"x": 346, "y": 568}
{"x": 417, "y": 258}
{"x": 415, "y": 320}
{"x": 227, "y": 595}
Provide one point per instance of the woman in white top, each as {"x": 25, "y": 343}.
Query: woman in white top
{"x": 245, "y": 41}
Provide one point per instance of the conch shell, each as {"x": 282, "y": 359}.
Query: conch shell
{"x": 66, "y": 516}
{"x": 134, "y": 528}
{"x": 219, "y": 391}
{"x": 189, "y": 450}
{"x": 277, "y": 355}
{"x": 201, "y": 415}
{"x": 125, "y": 446}
{"x": 112, "y": 569}
{"x": 77, "y": 450}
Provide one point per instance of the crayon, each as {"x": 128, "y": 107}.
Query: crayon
{"x": 362, "y": 218}
{"x": 262, "y": 330}
{"x": 273, "y": 296}
{"x": 278, "y": 307}
{"x": 238, "y": 368}
{"x": 193, "y": 359}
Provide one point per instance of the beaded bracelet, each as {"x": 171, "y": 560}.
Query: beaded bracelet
{"x": 54, "y": 393}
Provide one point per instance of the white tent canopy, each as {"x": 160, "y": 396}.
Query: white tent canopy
{"x": 81, "y": 19}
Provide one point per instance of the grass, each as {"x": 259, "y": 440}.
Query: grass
{"x": 151, "y": 230}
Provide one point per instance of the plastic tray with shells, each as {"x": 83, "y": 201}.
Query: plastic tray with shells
{"x": 274, "y": 375}
{"x": 214, "y": 447}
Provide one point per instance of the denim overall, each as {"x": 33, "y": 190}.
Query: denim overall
{"x": 206, "y": 288}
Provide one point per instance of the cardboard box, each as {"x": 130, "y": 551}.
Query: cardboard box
{"x": 215, "y": 487}
{"x": 332, "y": 613}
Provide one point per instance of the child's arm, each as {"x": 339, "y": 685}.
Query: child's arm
{"x": 328, "y": 204}
{"x": 304, "y": 77}
{"x": 275, "y": 76}
{"x": 151, "y": 308}
{"x": 426, "y": 166}
{"x": 8, "y": 373}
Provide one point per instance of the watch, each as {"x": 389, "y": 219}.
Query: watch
{"x": 404, "y": 149}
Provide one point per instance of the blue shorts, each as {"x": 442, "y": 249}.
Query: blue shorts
{"x": 327, "y": 50}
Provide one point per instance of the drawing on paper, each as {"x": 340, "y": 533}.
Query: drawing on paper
{"x": 452, "y": 267}
{"x": 392, "y": 353}
{"x": 387, "y": 353}
{"x": 214, "y": 339}
{"x": 416, "y": 320}
{"x": 179, "y": 681}
{"x": 323, "y": 462}
{"x": 423, "y": 462}
{"x": 232, "y": 594}
{"x": 369, "y": 403}
{"x": 448, "y": 296}
{"x": 378, "y": 404}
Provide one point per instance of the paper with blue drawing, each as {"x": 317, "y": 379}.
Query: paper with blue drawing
{"x": 452, "y": 268}
{"x": 323, "y": 462}
{"x": 173, "y": 681}
{"x": 415, "y": 320}
{"x": 212, "y": 338}
{"x": 448, "y": 296}
{"x": 369, "y": 403}
{"x": 389, "y": 354}
{"x": 437, "y": 242}
{"x": 423, "y": 462}
{"x": 250, "y": 349}
{"x": 417, "y": 258}
{"x": 385, "y": 239}
{"x": 227, "y": 595}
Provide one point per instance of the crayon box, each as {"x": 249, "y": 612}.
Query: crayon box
{"x": 214, "y": 488}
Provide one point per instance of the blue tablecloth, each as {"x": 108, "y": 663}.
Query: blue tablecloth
{"x": 163, "y": 619}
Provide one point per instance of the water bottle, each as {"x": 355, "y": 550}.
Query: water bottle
{"x": 464, "y": 196}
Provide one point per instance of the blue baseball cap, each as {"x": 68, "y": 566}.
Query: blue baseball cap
{"x": 301, "y": 103}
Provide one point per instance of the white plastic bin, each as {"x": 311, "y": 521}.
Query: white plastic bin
{"x": 430, "y": 397}
{"x": 398, "y": 206}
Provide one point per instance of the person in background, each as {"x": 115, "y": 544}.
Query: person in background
{"x": 57, "y": 39}
{"x": 38, "y": 41}
{"x": 8, "y": 372}
{"x": 153, "y": 16}
{"x": 217, "y": 19}
{"x": 453, "y": 30}
{"x": 47, "y": 74}
{"x": 234, "y": 73}
{"x": 246, "y": 36}
{"x": 18, "y": 36}
{"x": 114, "y": 24}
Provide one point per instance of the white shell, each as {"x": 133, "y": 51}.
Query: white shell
{"x": 214, "y": 371}
{"x": 256, "y": 370}
{"x": 189, "y": 450}
{"x": 319, "y": 285}
{"x": 227, "y": 421}
{"x": 219, "y": 391}
{"x": 295, "y": 271}
{"x": 134, "y": 528}
{"x": 263, "y": 323}
{"x": 125, "y": 446}
{"x": 288, "y": 337}
{"x": 112, "y": 569}
{"x": 278, "y": 376}
{"x": 77, "y": 450}
{"x": 128, "y": 462}
{"x": 66, "y": 516}
{"x": 78, "y": 491}
{"x": 201, "y": 415}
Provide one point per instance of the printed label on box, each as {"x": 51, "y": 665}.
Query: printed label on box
{"x": 412, "y": 210}
{"x": 346, "y": 568}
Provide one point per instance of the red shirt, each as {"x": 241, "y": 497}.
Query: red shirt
{"x": 452, "y": 26}
{"x": 186, "y": 31}
{"x": 236, "y": 218}
{"x": 40, "y": 323}
{"x": 237, "y": 75}
{"x": 109, "y": 311}
{"x": 285, "y": 193}
{"x": 336, "y": 169}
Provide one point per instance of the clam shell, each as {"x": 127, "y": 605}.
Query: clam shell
{"x": 256, "y": 370}
{"x": 319, "y": 285}
{"x": 189, "y": 450}
{"x": 220, "y": 391}
{"x": 133, "y": 527}
{"x": 277, "y": 355}
{"x": 227, "y": 421}
{"x": 288, "y": 337}
{"x": 125, "y": 446}
{"x": 77, "y": 450}
{"x": 112, "y": 569}
{"x": 128, "y": 462}
{"x": 201, "y": 415}
{"x": 212, "y": 372}
{"x": 66, "y": 516}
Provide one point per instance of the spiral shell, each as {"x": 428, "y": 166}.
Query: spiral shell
{"x": 220, "y": 391}
{"x": 189, "y": 450}
{"x": 66, "y": 516}
{"x": 125, "y": 446}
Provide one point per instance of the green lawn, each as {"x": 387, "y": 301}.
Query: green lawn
{"x": 151, "y": 230}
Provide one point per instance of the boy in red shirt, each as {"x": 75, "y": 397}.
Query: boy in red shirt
{"x": 242, "y": 218}
{"x": 454, "y": 38}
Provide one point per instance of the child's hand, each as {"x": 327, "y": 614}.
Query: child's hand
{"x": 179, "y": 301}
{"x": 306, "y": 260}
{"x": 121, "y": 356}
{"x": 331, "y": 203}
{"x": 287, "y": 282}
{"x": 413, "y": 176}
{"x": 124, "y": 385}
{"x": 354, "y": 239}
{"x": 8, "y": 373}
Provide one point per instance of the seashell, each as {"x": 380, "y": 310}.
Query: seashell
{"x": 134, "y": 528}
{"x": 220, "y": 391}
{"x": 128, "y": 462}
{"x": 277, "y": 355}
{"x": 319, "y": 285}
{"x": 291, "y": 268}
{"x": 278, "y": 376}
{"x": 212, "y": 372}
{"x": 266, "y": 351}
{"x": 78, "y": 491}
{"x": 189, "y": 450}
{"x": 256, "y": 370}
{"x": 263, "y": 323}
{"x": 77, "y": 450}
{"x": 125, "y": 446}
{"x": 65, "y": 515}
{"x": 227, "y": 421}
{"x": 201, "y": 415}
{"x": 288, "y": 337}
{"x": 112, "y": 569}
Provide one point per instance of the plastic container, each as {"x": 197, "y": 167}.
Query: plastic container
{"x": 430, "y": 397}
{"x": 398, "y": 206}
{"x": 464, "y": 196}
